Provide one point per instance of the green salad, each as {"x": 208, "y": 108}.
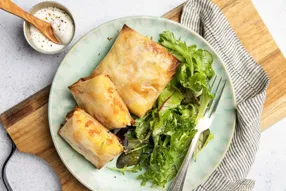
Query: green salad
{"x": 159, "y": 141}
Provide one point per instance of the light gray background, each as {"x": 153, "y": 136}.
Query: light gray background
{"x": 24, "y": 72}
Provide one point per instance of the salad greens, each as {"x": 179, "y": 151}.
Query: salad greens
{"x": 161, "y": 138}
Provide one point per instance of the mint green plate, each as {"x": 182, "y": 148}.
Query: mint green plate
{"x": 83, "y": 58}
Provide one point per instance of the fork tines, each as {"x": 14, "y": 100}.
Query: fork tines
{"x": 217, "y": 87}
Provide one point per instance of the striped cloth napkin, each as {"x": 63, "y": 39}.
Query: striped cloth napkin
{"x": 250, "y": 83}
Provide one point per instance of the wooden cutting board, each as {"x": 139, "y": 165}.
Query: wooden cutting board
{"x": 27, "y": 122}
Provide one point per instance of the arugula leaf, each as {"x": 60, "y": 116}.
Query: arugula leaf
{"x": 188, "y": 111}
{"x": 161, "y": 125}
{"x": 143, "y": 126}
{"x": 200, "y": 60}
{"x": 204, "y": 139}
{"x": 178, "y": 48}
{"x": 205, "y": 99}
{"x": 170, "y": 98}
{"x": 183, "y": 75}
{"x": 128, "y": 159}
{"x": 170, "y": 149}
{"x": 197, "y": 82}
{"x": 204, "y": 61}
{"x": 133, "y": 169}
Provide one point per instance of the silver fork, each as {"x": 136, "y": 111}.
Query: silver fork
{"x": 203, "y": 124}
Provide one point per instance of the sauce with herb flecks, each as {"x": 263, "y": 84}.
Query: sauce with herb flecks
{"x": 62, "y": 25}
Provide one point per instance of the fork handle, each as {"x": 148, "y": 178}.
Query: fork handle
{"x": 178, "y": 182}
{"x": 9, "y": 6}
{"x": 43, "y": 26}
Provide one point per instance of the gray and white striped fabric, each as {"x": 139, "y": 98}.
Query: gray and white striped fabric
{"x": 250, "y": 83}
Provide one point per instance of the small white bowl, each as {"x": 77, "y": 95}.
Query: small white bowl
{"x": 26, "y": 25}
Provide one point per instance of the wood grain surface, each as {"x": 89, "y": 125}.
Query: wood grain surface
{"x": 27, "y": 122}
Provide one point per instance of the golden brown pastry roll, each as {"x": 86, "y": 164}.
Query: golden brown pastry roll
{"x": 88, "y": 137}
{"x": 140, "y": 69}
{"x": 98, "y": 97}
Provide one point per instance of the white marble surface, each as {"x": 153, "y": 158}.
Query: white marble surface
{"x": 269, "y": 168}
{"x": 24, "y": 72}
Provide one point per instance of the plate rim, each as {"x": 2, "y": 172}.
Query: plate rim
{"x": 139, "y": 17}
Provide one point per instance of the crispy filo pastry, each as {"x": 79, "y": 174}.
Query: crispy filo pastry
{"x": 97, "y": 95}
{"x": 140, "y": 69}
{"x": 88, "y": 137}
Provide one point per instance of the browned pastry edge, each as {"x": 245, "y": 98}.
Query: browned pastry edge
{"x": 84, "y": 79}
{"x": 71, "y": 113}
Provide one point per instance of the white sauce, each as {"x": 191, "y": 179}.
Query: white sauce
{"x": 62, "y": 25}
